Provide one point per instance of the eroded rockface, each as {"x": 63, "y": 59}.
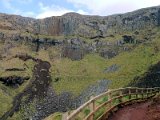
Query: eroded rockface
{"x": 84, "y": 25}
{"x": 74, "y": 48}
{"x": 42, "y": 33}
{"x": 36, "y": 32}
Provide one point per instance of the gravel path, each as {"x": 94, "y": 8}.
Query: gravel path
{"x": 149, "y": 110}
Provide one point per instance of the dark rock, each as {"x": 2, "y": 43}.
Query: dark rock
{"x": 99, "y": 36}
{"x": 13, "y": 81}
{"x": 120, "y": 43}
{"x": 73, "y": 53}
{"x": 74, "y": 49}
{"x": 45, "y": 43}
{"x": 136, "y": 33}
{"x": 15, "y": 69}
{"x": 149, "y": 79}
{"x": 98, "y": 43}
{"x": 108, "y": 53}
{"x": 128, "y": 39}
{"x": 25, "y": 57}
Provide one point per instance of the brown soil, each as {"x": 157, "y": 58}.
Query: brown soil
{"x": 149, "y": 110}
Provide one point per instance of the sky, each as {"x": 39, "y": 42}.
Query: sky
{"x": 46, "y": 8}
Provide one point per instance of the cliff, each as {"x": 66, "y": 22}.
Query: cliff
{"x": 83, "y": 25}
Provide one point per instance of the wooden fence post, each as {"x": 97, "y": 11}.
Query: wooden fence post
{"x": 147, "y": 92}
{"x": 120, "y": 94}
{"x": 64, "y": 116}
{"x": 142, "y": 92}
{"x": 136, "y": 93}
{"x": 154, "y": 91}
{"x": 129, "y": 91}
{"x": 150, "y": 94}
{"x": 92, "y": 108}
{"x": 157, "y": 90}
{"x": 109, "y": 98}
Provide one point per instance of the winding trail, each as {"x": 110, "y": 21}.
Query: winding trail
{"x": 149, "y": 110}
{"x": 37, "y": 88}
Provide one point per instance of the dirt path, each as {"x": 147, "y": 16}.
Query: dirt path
{"x": 37, "y": 87}
{"x": 139, "y": 111}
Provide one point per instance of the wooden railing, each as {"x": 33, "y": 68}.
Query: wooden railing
{"x": 99, "y": 107}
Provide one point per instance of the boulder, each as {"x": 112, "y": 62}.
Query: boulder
{"x": 112, "y": 68}
{"x": 128, "y": 39}
{"x": 74, "y": 49}
{"x": 108, "y": 53}
{"x": 13, "y": 81}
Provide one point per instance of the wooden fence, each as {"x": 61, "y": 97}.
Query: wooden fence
{"x": 98, "y": 108}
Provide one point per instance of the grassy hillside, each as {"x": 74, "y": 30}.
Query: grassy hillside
{"x": 75, "y": 76}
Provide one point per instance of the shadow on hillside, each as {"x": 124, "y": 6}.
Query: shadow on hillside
{"x": 149, "y": 79}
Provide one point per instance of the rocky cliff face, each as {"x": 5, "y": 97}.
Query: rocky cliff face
{"x": 36, "y": 31}
{"x": 83, "y": 25}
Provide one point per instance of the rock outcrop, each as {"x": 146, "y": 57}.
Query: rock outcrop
{"x": 13, "y": 81}
{"x": 40, "y": 33}
{"x": 83, "y": 25}
{"x": 75, "y": 49}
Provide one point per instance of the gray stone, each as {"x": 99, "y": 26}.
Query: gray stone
{"x": 112, "y": 68}
{"x": 84, "y": 25}
{"x": 108, "y": 53}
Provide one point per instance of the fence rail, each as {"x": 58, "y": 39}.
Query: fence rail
{"x": 99, "y": 107}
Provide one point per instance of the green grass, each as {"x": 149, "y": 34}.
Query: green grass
{"x": 77, "y": 75}
{"x": 5, "y": 102}
{"x": 56, "y": 116}
{"x": 134, "y": 63}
